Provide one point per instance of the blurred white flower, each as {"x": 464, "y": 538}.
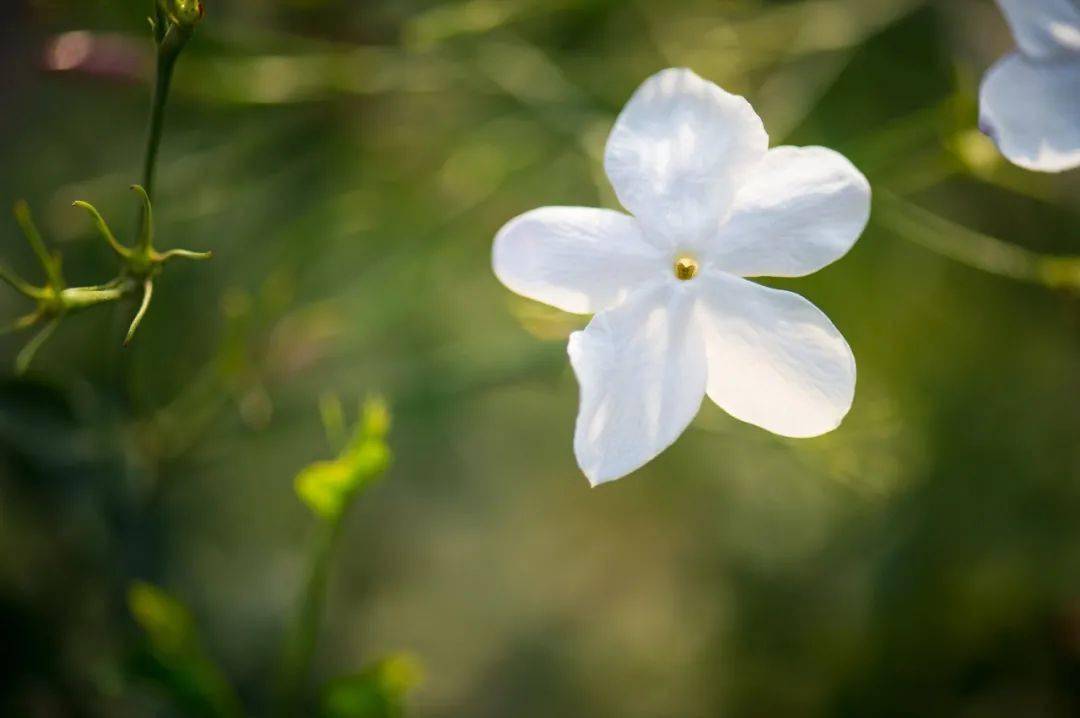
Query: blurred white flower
{"x": 675, "y": 318}
{"x": 1029, "y": 102}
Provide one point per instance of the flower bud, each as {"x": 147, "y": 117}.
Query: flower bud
{"x": 185, "y": 13}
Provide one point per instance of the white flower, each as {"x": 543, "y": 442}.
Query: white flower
{"x": 1029, "y": 102}
{"x": 675, "y": 318}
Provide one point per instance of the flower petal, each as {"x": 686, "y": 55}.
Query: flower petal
{"x": 641, "y": 368}
{"x": 1043, "y": 28}
{"x": 1031, "y": 109}
{"x": 578, "y": 259}
{"x": 799, "y": 210}
{"x": 775, "y": 360}
{"x": 677, "y": 151}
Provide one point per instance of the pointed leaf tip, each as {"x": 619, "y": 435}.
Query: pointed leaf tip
{"x": 148, "y": 294}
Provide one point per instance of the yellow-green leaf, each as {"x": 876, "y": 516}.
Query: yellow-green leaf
{"x": 172, "y": 656}
{"x": 327, "y": 486}
{"x": 166, "y": 622}
{"x": 376, "y": 692}
{"x": 324, "y": 486}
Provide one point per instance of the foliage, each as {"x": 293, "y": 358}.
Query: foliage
{"x": 327, "y": 487}
{"x": 173, "y": 24}
{"x": 376, "y": 692}
{"x": 173, "y": 657}
{"x": 349, "y": 164}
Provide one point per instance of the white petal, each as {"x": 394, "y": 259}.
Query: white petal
{"x": 641, "y": 368}
{"x": 578, "y": 259}
{"x": 1044, "y": 27}
{"x": 677, "y": 151}
{"x": 775, "y": 360}
{"x": 800, "y": 209}
{"x": 1031, "y": 109}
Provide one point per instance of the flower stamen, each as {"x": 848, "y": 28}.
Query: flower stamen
{"x": 686, "y": 268}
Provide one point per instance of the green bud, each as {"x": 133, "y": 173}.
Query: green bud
{"x": 185, "y": 13}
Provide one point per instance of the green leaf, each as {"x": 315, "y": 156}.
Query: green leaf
{"x": 324, "y": 486}
{"x": 368, "y": 461}
{"x": 377, "y": 692}
{"x": 173, "y": 657}
{"x": 328, "y": 486}
{"x": 164, "y": 620}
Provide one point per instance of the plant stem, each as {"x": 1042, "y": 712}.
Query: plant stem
{"x": 166, "y": 62}
{"x": 975, "y": 249}
{"x": 169, "y": 46}
{"x": 304, "y": 631}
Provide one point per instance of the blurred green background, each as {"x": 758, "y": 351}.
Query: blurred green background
{"x": 348, "y": 162}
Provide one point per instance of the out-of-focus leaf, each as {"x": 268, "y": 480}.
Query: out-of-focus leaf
{"x": 165, "y": 621}
{"x": 324, "y": 485}
{"x": 374, "y": 418}
{"x": 327, "y": 486}
{"x": 377, "y": 692}
{"x": 172, "y": 655}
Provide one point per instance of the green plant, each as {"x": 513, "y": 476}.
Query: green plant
{"x": 173, "y": 24}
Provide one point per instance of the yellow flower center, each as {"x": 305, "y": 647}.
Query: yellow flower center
{"x": 686, "y": 268}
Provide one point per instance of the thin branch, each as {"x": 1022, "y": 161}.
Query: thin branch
{"x": 972, "y": 248}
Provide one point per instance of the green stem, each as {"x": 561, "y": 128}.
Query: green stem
{"x": 166, "y": 62}
{"x": 304, "y": 631}
{"x": 170, "y": 44}
{"x": 972, "y": 248}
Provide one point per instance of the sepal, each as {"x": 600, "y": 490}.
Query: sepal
{"x": 139, "y": 265}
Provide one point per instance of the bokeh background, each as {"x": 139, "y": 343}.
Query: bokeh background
{"x": 348, "y": 162}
